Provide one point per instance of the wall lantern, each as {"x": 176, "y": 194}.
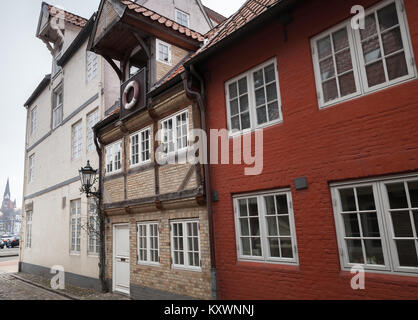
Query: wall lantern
{"x": 88, "y": 177}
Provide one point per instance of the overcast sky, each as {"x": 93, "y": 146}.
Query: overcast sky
{"x": 24, "y": 60}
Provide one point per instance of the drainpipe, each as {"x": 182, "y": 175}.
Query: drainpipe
{"x": 201, "y": 102}
{"x": 100, "y": 213}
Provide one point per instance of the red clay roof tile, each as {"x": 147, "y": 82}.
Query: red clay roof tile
{"x": 68, "y": 16}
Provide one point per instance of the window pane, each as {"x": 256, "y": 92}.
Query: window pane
{"x": 254, "y": 227}
{"x": 243, "y": 212}
{"x": 245, "y": 120}
{"x": 244, "y": 227}
{"x": 375, "y": 74}
{"x": 347, "y": 200}
{"x": 253, "y": 207}
{"x": 242, "y": 84}
{"x": 324, "y": 47}
{"x": 330, "y": 90}
{"x": 234, "y": 107}
{"x": 413, "y": 193}
{"x": 370, "y": 225}
{"x": 396, "y": 66}
{"x": 272, "y": 226}
{"x": 284, "y": 226}
{"x": 261, "y": 115}
{"x": 282, "y": 207}
{"x": 370, "y": 27}
{"x": 415, "y": 214}
{"x": 407, "y": 253}
{"x": 245, "y": 242}
{"x": 233, "y": 92}
{"x": 258, "y": 78}
{"x": 392, "y": 41}
{"x": 235, "y": 123}
{"x": 355, "y": 251}
{"x": 271, "y": 92}
{"x": 371, "y": 50}
{"x": 243, "y": 103}
{"x": 397, "y": 195}
{"x": 374, "y": 252}
{"x": 365, "y": 198}
{"x": 327, "y": 69}
{"x": 273, "y": 111}
{"x": 351, "y": 225}
{"x": 347, "y": 84}
{"x": 402, "y": 224}
{"x": 269, "y": 73}
{"x": 340, "y": 39}
{"x": 286, "y": 246}
{"x": 270, "y": 205}
{"x": 260, "y": 97}
{"x": 388, "y": 17}
{"x": 256, "y": 247}
{"x": 274, "y": 247}
{"x": 343, "y": 60}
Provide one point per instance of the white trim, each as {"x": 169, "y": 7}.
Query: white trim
{"x": 358, "y": 58}
{"x": 160, "y": 42}
{"x": 184, "y": 13}
{"x": 114, "y": 258}
{"x": 109, "y": 152}
{"x": 248, "y": 75}
{"x": 265, "y": 258}
{"x": 186, "y": 266}
{"x": 140, "y": 149}
{"x": 148, "y": 225}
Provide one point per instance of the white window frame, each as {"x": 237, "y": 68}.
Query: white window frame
{"x": 159, "y": 58}
{"x": 357, "y": 57}
{"x": 92, "y": 120}
{"x": 92, "y": 65}
{"x": 58, "y": 108}
{"x": 29, "y": 218}
{"x": 389, "y": 249}
{"x": 173, "y": 118}
{"x": 186, "y": 249}
{"x": 31, "y": 173}
{"x": 177, "y": 12}
{"x": 111, "y": 157}
{"x": 76, "y": 140}
{"x": 75, "y": 226}
{"x": 265, "y": 258}
{"x": 93, "y": 219}
{"x": 147, "y": 226}
{"x": 33, "y": 120}
{"x": 141, "y": 150}
{"x": 252, "y": 100}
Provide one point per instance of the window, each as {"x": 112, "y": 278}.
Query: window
{"x": 113, "y": 157}
{"x": 94, "y": 228}
{"x": 92, "y": 120}
{"x": 140, "y": 147}
{"x": 253, "y": 99}
{"x": 75, "y": 226}
{"x": 77, "y": 140}
{"x": 182, "y": 18}
{"x": 377, "y": 224}
{"x": 92, "y": 64}
{"x": 31, "y": 168}
{"x": 163, "y": 52}
{"x": 350, "y": 62}
{"x": 148, "y": 243}
{"x": 185, "y": 244}
{"x": 57, "y": 108}
{"x": 175, "y": 133}
{"x": 33, "y": 120}
{"x": 265, "y": 228}
{"x": 57, "y": 56}
{"x": 29, "y": 229}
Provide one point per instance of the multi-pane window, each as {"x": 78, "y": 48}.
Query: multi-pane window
{"x": 113, "y": 157}
{"x": 185, "y": 244}
{"x": 175, "y": 132}
{"x": 377, "y": 224}
{"x": 351, "y": 62}
{"x": 140, "y": 147}
{"x": 163, "y": 52}
{"x": 33, "y": 120}
{"x": 75, "y": 226}
{"x": 57, "y": 112}
{"x": 29, "y": 229}
{"x": 253, "y": 99}
{"x": 182, "y": 18}
{"x": 148, "y": 243}
{"x": 92, "y": 119}
{"x": 265, "y": 228}
{"x": 93, "y": 228}
{"x": 77, "y": 140}
{"x": 31, "y": 174}
{"x": 92, "y": 64}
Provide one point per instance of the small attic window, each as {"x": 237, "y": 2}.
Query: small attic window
{"x": 182, "y": 18}
{"x": 163, "y": 52}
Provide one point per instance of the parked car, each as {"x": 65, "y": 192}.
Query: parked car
{"x": 7, "y": 240}
{"x": 14, "y": 242}
{"x": 2, "y": 244}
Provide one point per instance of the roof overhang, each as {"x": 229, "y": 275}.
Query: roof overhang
{"x": 42, "y": 85}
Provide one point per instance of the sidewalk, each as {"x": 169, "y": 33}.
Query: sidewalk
{"x": 70, "y": 292}
{"x": 9, "y": 252}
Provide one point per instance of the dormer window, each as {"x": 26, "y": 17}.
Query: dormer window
{"x": 163, "y": 52}
{"x": 182, "y": 18}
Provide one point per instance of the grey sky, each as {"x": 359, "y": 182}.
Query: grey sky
{"x": 24, "y": 60}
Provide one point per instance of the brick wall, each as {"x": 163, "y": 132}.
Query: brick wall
{"x": 372, "y": 135}
{"x": 177, "y": 54}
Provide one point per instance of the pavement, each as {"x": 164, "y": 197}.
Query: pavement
{"x": 6, "y": 252}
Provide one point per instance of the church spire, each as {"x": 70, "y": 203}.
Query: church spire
{"x": 7, "y": 191}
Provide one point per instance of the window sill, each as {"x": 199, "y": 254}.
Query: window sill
{"x": 165, "y": 62}
{"x": 232, "y": 135}
{"x": 181, "y": 268}
{"x": 75, "y": 254}
{"x": 148, "y": 264}
{"x": 270, "y": 266}
{"x": 138, "y": 165}
{"x": 92, "y": 255}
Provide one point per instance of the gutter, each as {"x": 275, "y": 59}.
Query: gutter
{"x": 201, "y": 102}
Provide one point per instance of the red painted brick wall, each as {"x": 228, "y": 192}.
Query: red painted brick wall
{"x": 368, "y": 136}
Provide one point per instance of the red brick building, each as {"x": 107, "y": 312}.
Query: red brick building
{"x": 339, "y": 186}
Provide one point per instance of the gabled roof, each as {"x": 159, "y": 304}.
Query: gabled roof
{"x": 215, "y": 16}
{"x": 42, "y": 85}
{"x": 68, "y": 16}
{"x": 157, "y": 18}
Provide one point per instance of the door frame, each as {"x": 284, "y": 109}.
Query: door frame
{"x": 114, "y": 255}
